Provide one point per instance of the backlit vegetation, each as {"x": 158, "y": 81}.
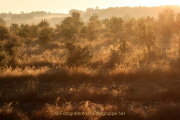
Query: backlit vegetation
{"x": 103, "y": 65}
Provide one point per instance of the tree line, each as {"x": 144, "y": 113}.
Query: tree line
{"x": 146, "y": 32}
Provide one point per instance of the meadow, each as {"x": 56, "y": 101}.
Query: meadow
{"x": 97, "y": 69}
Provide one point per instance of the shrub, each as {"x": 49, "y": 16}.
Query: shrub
{"x": 14, "y": 28}
{"x": 117, "y": 53}
{"x": 34, "y": 30}
{"x": 68, "y": 32}
{"x": 116, "y": 25}
{"x": 83, "y": 32}
{"x": 12, "y": 45}
{"x": 4, "y": 58}
{"x": 70, "y": 27}
{"x": 93, "y": 27}
{"x": 12, "y": 48}
{"x": 146, "y": 36}
{"x": 45, "y": 35}
{"x": 2, "y": 22}
{"x": 78, "y": 55}
{"x": 24, "y": 30}
{"x": 4, "y": 33}
{"x": 43, "y": 23}
{"x": 166, "y": 20}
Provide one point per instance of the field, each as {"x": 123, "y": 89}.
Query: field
{"x": 111, "y": 73}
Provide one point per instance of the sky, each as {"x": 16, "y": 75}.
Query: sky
{"x": 63, "y": 6}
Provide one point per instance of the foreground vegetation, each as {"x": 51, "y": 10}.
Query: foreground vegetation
{"x": 112, "y": 65}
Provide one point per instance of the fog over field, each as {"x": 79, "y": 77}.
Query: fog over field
{"x": 79, "y": 61}
{"x": 126, "y": 12}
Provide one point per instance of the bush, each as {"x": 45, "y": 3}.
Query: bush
{"x": 4, "y": 33}
{"x": 24, "y": 31}
{"x": 2, "y": 21}
{"x": 43, "y": 23}
{"x": 14, "y": 28}
{"x": 34, "y": 31}
{"x": 70, "y": 27}
{"x": 156, "y": 54}
{"x": 11, "y": 48}
{"x": 93, "y": 27}
{"x": 116, "y": 25}
{"x": 117, "y": 53}
{"x": 146, "y": 36}
{"x": 45, "y": 35}
{"x": 83, "y": 32}
{"x": 12, "y": 45}
{"x": 4, "y": 58}
{"x": 78, "y": 55}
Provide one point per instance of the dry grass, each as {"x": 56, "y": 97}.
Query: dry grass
{"x": 9, "y": 113}
{"x": 42, "y": 84}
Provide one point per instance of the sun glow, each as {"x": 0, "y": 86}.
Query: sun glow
{"x": 64, "y": 6}
{"x": 151, "y": 3}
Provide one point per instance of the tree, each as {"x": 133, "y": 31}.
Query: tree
{"x": 146, "y": 35}
{"x": 166, "y": 21}
{"x": 177, "y": 29}
{"x": 3, "y": 15}
{"x": 83, "y": 32}
{"x": 76, "y": 15}
{"x": 93, "y": 27}
{"x": 12, "y": 45}
{"x": 11, "y": 49}
{"x": 116, "y": 26}
{"x": 106, "y": 23}
{"x": 129, "y": 27}
{"x": 70, "y": 27}
{"x": 34, "y": 30}
{"x": 117, "y": 53}
{"x": 90, "y": 10}
{"x": 78, "y": 55}
{"x": 14, "y": 28}
{"x": 24, "y": 31}
{"x": 2, "y": 22}
{"x": 74, "y": 10}
{"x": 45, "y": 35}
{"x": 4, "y": 58}
{"x": 43, "y": 23}
{"x": 127, "y": 17}
{"x": 4, "y": 33}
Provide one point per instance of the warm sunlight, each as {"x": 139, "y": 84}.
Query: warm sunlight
{"x": 63, "y": 6}
{"x": 151, "y": 3}
{"x": 89, "y": 60}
